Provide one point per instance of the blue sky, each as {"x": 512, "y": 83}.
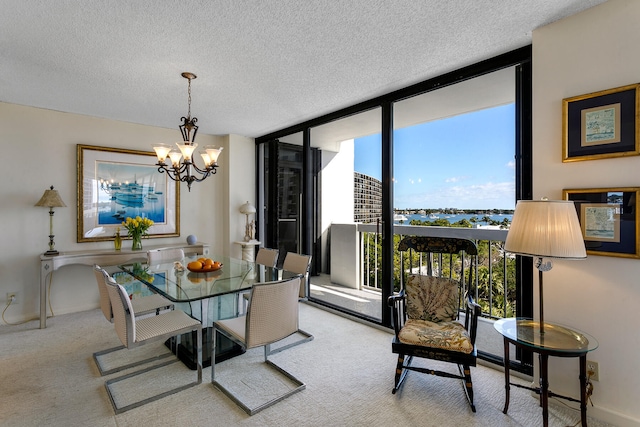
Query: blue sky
{"x": 465, "y": 161}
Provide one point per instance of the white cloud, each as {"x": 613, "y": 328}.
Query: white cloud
{"x": 456, "y": 179}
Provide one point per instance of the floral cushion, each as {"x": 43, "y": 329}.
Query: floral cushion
{"x": 434, "y": 299}
{"x": 444, "y": 335}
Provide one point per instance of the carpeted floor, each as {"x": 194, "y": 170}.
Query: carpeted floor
{"x": 48, "y": 378}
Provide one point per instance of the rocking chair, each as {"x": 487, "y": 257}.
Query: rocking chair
{"x": 427, "y": 309}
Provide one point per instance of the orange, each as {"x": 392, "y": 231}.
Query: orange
{"x": 195, "y": 265}
{"x": 208, "y": 262}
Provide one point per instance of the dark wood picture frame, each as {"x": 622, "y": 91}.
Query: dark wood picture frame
{"x": 601, "y": 124}
{"x": 609, "y": 219}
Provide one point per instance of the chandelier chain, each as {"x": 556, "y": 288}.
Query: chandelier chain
{"x": 189, "y": 91}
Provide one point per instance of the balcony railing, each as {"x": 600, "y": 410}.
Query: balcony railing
{"x": 494, "y": 288}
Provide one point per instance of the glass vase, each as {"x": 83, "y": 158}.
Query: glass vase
{"x": 136, "y": 242}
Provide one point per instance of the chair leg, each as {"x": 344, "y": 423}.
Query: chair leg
{"x": 109, "y": 383}
{"x": 307, "y": 337}
{"x": 104, "y": 372}
{"x": 401, "y": 372}
{"x": 468, "y": 385}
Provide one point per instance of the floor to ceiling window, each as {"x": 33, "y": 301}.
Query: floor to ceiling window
{"x": 454, "y": 168}
{"x": 457, "y": 143}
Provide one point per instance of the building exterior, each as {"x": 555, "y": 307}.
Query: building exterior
{"x": 367, "y": 195}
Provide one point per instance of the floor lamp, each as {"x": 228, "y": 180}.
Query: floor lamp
{"x": 545, "y": 229}
{"x": 51, "y": 199}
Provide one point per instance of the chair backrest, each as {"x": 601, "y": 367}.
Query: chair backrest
{"x": 267, "y": 257}
{"x": 124, "y": 318}
{"x": 105, "y": 302}
{"x": 272, "y": 313}
{"x": 299, "y": 264}
{"x": 158, "y": 256}
{"x": 430, "y": 298}
{"x": 436, "y": 266}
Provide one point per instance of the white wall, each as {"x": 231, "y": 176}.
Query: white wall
{"x": 39, "y": 150}
{"x": 240, "y": 189}
{"x": 337, "y": 189}
{"x": 589, "y": 52}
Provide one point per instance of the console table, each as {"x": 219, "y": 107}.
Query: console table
{"x": 557, "y": 341}
{"x": 103, "y": 257}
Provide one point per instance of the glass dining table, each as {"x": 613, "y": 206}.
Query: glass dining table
{"x": 206, "y": 296}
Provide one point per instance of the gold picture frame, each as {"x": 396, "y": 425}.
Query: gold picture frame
{"x": 116, "y": 183}
{"x": 609, "y": 220}
{"x": 602, "y": 124}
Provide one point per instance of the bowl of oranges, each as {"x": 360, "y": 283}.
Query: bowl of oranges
{"x": 204, "y": 265}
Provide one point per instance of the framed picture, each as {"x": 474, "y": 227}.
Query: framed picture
{"x": 601, "y": 125}
{"x": 609, "y": 220}
{"x": 114, "y": 184}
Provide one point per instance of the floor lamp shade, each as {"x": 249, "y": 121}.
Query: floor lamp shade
{"x": 546, "y": 229}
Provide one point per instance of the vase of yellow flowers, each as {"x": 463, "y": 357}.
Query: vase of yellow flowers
{"x": 137, "y": 228}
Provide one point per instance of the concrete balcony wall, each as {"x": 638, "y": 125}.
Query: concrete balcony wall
{"x": 345, "y": 255}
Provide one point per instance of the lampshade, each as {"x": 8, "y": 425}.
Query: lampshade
{"x": 51, "y": 199}
{"x": 247, "y": 209}
{"x": 546, "y": 229}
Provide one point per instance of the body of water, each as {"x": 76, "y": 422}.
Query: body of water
{"x": 452, "y": 218}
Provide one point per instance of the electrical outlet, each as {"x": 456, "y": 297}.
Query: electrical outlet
{"x": 592, "y": 368}
{"x": 12, "y": 296}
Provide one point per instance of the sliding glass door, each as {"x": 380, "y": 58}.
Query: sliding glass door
{"x": 342, "y": 187}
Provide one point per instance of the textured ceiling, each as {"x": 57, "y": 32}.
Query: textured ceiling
{"x": 262, "y": 65}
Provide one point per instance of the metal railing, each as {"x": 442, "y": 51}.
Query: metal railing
{"x": 494, "y": 276}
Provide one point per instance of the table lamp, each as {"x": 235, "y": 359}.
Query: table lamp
{"x": 247, "y": 209}
{"x": 51, "y": 199}
{"x": 545, "y": 229}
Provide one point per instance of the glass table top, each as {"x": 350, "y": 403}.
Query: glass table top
{"x": 234, "y": 276}
{"x": 555, "y": 337}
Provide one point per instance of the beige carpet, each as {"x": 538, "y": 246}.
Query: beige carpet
{"x": 48, "y": 378}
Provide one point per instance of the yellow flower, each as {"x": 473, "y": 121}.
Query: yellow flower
{"x": 137, "y": 226}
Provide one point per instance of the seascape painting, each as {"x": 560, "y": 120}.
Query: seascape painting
{"x": 115, "y": 184}
{"x": 126, "y": 190}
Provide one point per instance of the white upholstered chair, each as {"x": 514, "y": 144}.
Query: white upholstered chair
{"x": 266, "y": 259}
{"x": 297, "y": 264}
{"x": 134, "y": 332}
{"x": 158, "y": 256}
{"x": 151, "y": 304}
{"x": 272, "y": 315}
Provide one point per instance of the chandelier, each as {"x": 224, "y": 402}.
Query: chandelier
{"x": 182, "y": 166}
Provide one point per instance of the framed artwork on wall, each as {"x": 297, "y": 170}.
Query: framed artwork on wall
{"x": 601, "y": 124}
{"x": 609, "y": 220}
{"x": 114, "y": 184}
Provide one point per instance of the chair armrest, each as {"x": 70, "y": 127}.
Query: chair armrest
{"x": 396, "y": 302}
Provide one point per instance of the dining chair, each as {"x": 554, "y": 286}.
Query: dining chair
{"x": 134, "y": 332}
{"x": 268, "y": 258}
{"x": 146, "y": 305}
{"x": 158, "y": 256}
{"x": 272, "y": 315}
{"x": 297, "y": 264}
{"x": 265, "y": 259}
{"x": 426, "y": 312}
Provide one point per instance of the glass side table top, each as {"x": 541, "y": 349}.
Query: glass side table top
{"x": 556, "y": 337}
